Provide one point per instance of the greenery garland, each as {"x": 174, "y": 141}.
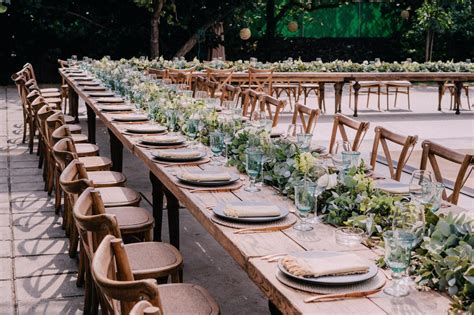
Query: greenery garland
{"x": 444, "y": 260}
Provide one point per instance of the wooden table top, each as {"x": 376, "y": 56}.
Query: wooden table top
{"x": 247, "y": 248}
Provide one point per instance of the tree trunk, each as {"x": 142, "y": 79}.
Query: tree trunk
{"x": 155, "y": 28}
{"x": 191, "y": 42}
{"x": 271, "y": 21}
{"x": 429, "y": 44}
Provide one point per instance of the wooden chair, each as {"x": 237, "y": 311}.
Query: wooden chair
{"x": 307, "y": 116}
{"x": 250, "y": 99}
{"x": 305, "y": 89}
{"x": 230, "y": 93}
{"x": 367, "y": 87}
{"x": 157, "y": 73}
{"x": 199, "y": 84}
{"x": 93, "y": 221}
{"x": 180, "y": 76}
{"x": 219, "y": 76}
{"x": 273, "y": 107}
{"x": 20, "y": 80}
{"x": 340, "y": 123}
{"x": 285, "y": 86}
{"x": 74, "y": 180}
{"x": 211, "y": 87}
{"x": 30, "y": 73}
{"x": 383, "y": 135}
{"x": 144, "y": 308}
{"x": 260, "y": 80}
{"x": 64, "y": 87}
{"x": 397, "y": 87}
{"x": 451, "y": 88}
{"x": 112, "y": 272}
{"x": 432, "y": 151}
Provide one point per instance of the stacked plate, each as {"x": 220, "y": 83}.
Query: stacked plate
{"x": 335, "y": 268}
{"x": 178, "y": 155}
{"x": 207, "y": 178}
{"x": 116, "y": 108}
{"x": 250, "y": 211}
{"x": 145, "y": 128}
{"x": 110, "y": 100}
{"x": 130, "y": 117}
{"x": 164, "y": 140}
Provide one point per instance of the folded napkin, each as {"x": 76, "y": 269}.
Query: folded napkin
{"x": 165, "y": 139}
{"x": 394, "y": 188}
{"x": 242, "y": 211}
{"x": 177, "y": 154}
{"x": 346, "y": 264}
{"x": 205, "y": 177}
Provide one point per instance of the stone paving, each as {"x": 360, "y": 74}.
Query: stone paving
{"x": 38, "y": 277}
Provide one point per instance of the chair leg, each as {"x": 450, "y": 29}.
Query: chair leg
{"x": 177, "y": 276}
{"x": 57, "y": 193}
{"x": 387, "y": 90}
{"x": 378, "y": 97}
{"x": 73, "y": 242}
{"x": 396, "y": 96}
{"x": 408, "y": 96}
{"x": 350, "y": 97}
{"x": 51, "y": 176}
{"x": 31, "y": 137}
{"x": 81, "y": 269}
{"x": 368, "y": 98}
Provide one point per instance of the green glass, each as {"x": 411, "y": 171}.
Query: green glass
{"x": 303, "y": 141}
{"x": 192, "y": 128}
{"x": 398, "y": 246}
{"x": 216, "y": 140}
{"x": 305, "y": 202}
{"x": 253, "y": 166}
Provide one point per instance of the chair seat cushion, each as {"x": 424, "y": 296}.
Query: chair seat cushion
{"x": 74, "y": 128}
{"x": 152, "y": 259}
{"x": 186, "y": 298}
{"x": 107, "y": 178}
{"x": 49, "y": 90}
{"x": 131, "y": 218}
{"x": 96, "y": 163}
{"x": 79, "y": 138}
{"x": 398, "y": 83}
{"x": 87, "y": 149}
{"x": 119, "y": 196}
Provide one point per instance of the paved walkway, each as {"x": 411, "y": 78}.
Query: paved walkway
{"x": 38, "y": 277}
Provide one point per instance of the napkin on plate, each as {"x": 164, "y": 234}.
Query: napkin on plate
{"x": 393, "y": 188}
{"x": 205, "y": 177}
{"x": 242, "y": 211}
{"x": 159, "y": 139}
{"x": 345, "y": 264}
{"x": 177, "y": 154}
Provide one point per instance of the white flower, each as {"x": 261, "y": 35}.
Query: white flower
{"x": 327, "y": 181}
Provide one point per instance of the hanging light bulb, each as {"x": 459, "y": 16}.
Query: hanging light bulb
{"x": 292, "y": 26}
{"x": 245, "y": 33}
{"x": 405, "y": 14}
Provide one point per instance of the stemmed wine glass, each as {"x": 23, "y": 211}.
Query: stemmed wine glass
{"x": 304, "y": 202}
{"x": 253, "y": 166}
{"x": 293, "y": 130}
{"x": 216, "y": 140}
{"x": 421, "y": 185}
{"x": 228, "y": 129}
{"x": 336, "y": 157}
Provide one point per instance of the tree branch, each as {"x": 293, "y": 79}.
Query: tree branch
{"x": 82, "y": 17}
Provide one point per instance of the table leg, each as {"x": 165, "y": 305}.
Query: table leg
{"x": 116, "y": 152}
{"x": 91, "y": 117}
{"x": 338, "y": 99}
{"x": 356, "y": 88}
{"x": 457, "y": 96}
{"x": 73, "y": 103}
{"x": 158, "y": 193}
{"x": 440, "y": 94}
{"x": 321, "y": 97}
{"x": 273, "y": 309}
{"x": 172, "y": 205}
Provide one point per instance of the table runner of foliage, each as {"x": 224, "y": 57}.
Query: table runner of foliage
{"x": 297, "y": 65}
{"x": 444, "y": 260}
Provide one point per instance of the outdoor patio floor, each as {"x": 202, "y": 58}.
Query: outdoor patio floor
{"x": 38, "y": 277}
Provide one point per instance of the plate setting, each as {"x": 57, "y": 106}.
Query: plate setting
{"x": 116, "y": 108}
{"x": 164, "y": 140}
{"x": 130, "y": 117}
{"x": 146, "y": 128}
{"x": 110, "y": 100}
{"x": 330, "y": 280}
{"x": 178, "y": 155}
{"x": 207, "y": 178}
{"x": 249, "y": 211}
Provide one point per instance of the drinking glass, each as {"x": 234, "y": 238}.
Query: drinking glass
{"x": 304, "y": 202}
{"x": 228, "y": 108}
{"x": 303, "y": 141}
{"x": 350, "y": 158}
{"x": 336, "y": 157}
{"x": 316, "y": 218}
{"x": 216, "y": 140}
{"x": 398, "y": 245}
{"x": 420, "y": 186}
{"x": 201, "y": 95}
{"x": 253, "y": 166}
{"x": 293, "y": 130}
{"x": 74, "y": 60}
{"x": 437, "y": 196}
{"x": 171, "y": 119}
{"x": 409, "y": 218}
{"x": 228, "y": 129}
{"x": 192, "y": 128}
{"x": 211, "y": 102}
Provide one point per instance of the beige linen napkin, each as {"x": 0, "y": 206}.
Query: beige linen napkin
{"x": 177, "y": 154}
{"x": 393, "y": 188}
{"x": 242, "y": 211}
{"x": 345, "y": 264}
{"x": 205, "y": 177}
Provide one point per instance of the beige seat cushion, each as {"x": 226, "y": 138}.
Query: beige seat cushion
{"x": 152, "y": 259}
{"x": 79, "y": 138}
{"x": 398, "y": 83}
{"x": 131, "y": 218}
{"x": 87, "y": 149}
{"x": 74, "y": 128}
{"x": 96, "y": 163}
{"x": 107, "y": 178}
{"x": 119, "y": 196}
{"x": 186, "y": 299}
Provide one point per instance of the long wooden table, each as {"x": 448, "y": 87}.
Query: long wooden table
{"x": 246, "y": 249}
{"x": 341, "y": 78}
